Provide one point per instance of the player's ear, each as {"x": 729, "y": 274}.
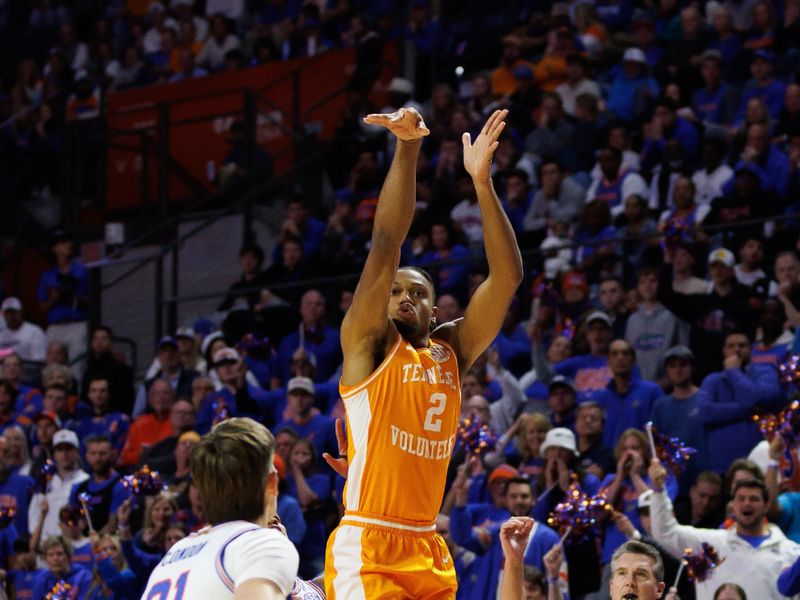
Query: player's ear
{"x": 272, "y": 484}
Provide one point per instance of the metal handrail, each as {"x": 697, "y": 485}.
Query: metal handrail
{"x": 215, "y": 215}
{"x": 527, "y": 254}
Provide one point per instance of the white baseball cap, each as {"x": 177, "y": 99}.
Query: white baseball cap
{"x": 400, "y": 85}
{"x": 559, "y": 437}
{"x": 65, "y": 436}
{"x": 303, "y": 384}
{"x": 722, "y": 255}
{"x": 225, "y": 355}
{"x": 634, "y": 55}
{"x": 11, "y": 303}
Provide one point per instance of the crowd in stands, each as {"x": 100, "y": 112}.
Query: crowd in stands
{"x": 650, "y": 172}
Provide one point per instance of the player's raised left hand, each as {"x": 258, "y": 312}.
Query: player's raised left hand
{"x": 478, "y": 154}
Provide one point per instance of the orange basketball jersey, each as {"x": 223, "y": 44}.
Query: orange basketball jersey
{"x": 401, "y": 427}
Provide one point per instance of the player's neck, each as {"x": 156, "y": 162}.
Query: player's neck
{"x": 418, "y": 341}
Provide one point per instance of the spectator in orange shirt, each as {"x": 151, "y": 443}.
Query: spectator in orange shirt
{"x": 151, "y": 427}
{"x": 503, "y": 81}
{"x": 551, "y": 71}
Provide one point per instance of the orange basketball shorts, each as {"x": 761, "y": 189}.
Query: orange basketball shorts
{"x": 372, "y": 559}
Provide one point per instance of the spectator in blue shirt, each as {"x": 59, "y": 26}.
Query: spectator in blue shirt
{"x": 101, "y": 422}
{"x": 767, "y": 161}
{"x": 63, "y": 295}
{"x": 112, "y": 572}
{"x": 561, "y": 402}
{"x": 632, "y": 87}
{"x": 763, "y": 85}
{"x": 716, "y": 102}
{"x": 626, "y": 399}
{"x": 730, "y": 400}
{"x": 595, "y": 457}
{"x": 513, "y": 344}
{"x": 449, "y": 278}
{"x": 104, "y": 486}
{"x": 236, "y": 396}
{"x": 485, "y": 541}
{"x": 313, "y": 491}
{"x": 666, "y": 125}
{"x": 305, "y": 420}
{"x": 289, "y": 509}
{"x": 58, "y": 557}
{"x": 590, "y": 372}
{"x": 15, "y": 490}
{"x": 598, "y": 254}
{"x": 678, "y": 413}
{"x": 298, "y": 223}
{"x": 22, "y": 572}
{"x": 624, "y": 487}
{"x": 315, "y": 337}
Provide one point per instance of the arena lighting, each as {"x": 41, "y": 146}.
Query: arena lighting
{"x": 459, "y": 71}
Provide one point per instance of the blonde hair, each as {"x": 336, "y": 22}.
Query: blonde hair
{"x": 639, "y": 435}
{"x": 162, "y": 497}
{"x": 231, "y": 467}
{"x": 25, "y": 454}
{"x": 537, "y": 420}
{"x": 119, "y": 563}
{"x": 54, "y": 374}
{"x": 54, "y": 541}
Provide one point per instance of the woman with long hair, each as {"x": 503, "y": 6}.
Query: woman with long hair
{"x": 624, "y": 487}
{"x": 147, "y": 547}
{"x": 113, "y": 579}
{"x": 533, "y": 429}
{"x": 17, "y": 454}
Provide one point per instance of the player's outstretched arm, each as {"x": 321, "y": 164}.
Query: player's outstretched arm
{"x": 367, "y": 320}
{"x": 487, "y": 308}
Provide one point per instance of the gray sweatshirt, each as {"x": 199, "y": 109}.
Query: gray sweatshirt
{"x": 652, "y": 334}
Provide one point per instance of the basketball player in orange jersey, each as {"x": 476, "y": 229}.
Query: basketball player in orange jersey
{"x": 400, "y": 384}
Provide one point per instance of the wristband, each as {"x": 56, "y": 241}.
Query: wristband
{"x": 553, "y": 580}
{"x": 773, "y": 464}
{"x": 636, "y": 535}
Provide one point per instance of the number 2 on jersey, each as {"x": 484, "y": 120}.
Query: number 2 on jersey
{"x": 438, "y": 400}
{"x": 161, "y": 590}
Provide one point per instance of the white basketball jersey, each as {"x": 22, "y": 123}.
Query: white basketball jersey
{"x": 210, "y": 564}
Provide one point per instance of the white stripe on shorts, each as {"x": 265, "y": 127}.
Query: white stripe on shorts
{"x": 347, "y": 562}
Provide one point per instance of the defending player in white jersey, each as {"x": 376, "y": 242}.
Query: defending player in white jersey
{"x": 239, "y": 555}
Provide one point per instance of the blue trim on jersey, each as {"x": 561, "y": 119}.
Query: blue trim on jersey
{"x": 219, "y": 563}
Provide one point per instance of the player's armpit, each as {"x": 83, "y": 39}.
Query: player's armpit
{"x": 257, "y": 589}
